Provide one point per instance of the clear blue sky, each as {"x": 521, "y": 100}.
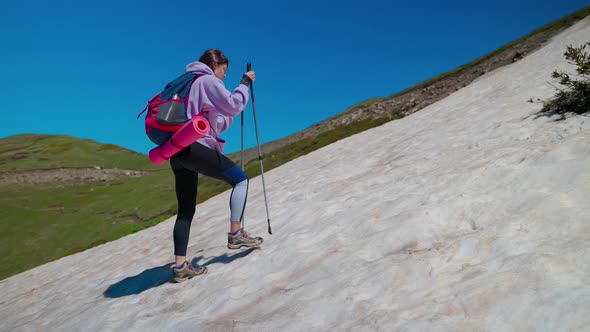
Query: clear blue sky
{"x": 86, "y": 68}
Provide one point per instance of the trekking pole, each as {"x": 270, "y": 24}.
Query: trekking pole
{"x": 242, "y": 157}
{"x": 242, "y": 153}
{"x": 249, "y": 67}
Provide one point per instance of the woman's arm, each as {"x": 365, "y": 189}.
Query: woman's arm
{"x": 225, "y": 102}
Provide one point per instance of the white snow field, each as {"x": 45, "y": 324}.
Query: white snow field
{"x": 470, "y": 215}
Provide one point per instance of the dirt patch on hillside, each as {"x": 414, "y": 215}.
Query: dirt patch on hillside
{"x": 68, "y": 175}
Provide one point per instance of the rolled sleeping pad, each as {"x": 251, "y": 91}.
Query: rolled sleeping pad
{"x": 196, "y": 128}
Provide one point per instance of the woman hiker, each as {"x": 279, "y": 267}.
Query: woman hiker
{"x": 209, "y": 98}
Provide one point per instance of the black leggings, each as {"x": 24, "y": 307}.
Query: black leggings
{"x": 187, "y": 165}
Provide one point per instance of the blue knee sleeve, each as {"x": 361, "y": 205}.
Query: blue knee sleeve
{"x": 235, "y": 175}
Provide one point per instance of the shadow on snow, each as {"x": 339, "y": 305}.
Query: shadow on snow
{"x": 160, "y": 275}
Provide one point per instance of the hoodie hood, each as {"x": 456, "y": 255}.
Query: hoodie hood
{"x": 198, "y": 68}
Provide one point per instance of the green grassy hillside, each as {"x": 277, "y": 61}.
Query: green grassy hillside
{"x": 45, "y": 219}
{"x": 27, "y": 152}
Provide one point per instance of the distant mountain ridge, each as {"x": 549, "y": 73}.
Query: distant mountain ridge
{"x": 34, "y": 151}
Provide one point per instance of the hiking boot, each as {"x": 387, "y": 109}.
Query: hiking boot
{"x": 242, "y": 239}
{"x": 187, "y": 271}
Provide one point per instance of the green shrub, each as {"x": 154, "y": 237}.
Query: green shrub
{"x": 575, "y": 96}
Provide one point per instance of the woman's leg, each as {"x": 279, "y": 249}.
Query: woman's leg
{"x": 238, "y": 198}
{"x": 186, "y": 195}
{"x": 209, "y": 162}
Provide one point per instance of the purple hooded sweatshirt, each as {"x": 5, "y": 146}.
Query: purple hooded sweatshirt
{"x": 209, "y": 98}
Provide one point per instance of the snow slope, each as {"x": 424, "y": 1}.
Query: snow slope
{"x": 468, "y": 215}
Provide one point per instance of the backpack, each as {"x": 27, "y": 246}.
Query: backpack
{"x": 166, "y": 112}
